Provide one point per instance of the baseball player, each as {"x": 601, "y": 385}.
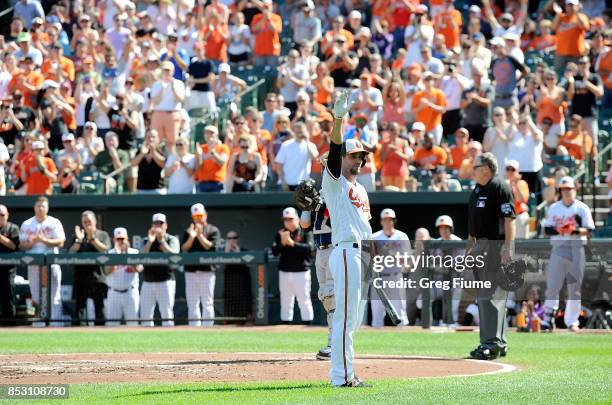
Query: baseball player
{"x": 44, "y": 234}
{"x": 315, "y": 218}
{"x": 451, "y": 299}
{"x": 389, "y": 241}
{"x": 159, "y": 283}
{"x": 349, "y": 209}
{"x": 122, "y": 281}
{"x": 568, "y": 222}
{"x": 200, "y": 236}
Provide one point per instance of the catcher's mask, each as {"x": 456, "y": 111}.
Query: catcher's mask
{"x": 354, "y": 146}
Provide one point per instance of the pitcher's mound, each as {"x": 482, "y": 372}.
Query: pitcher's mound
{"x": 220, "y": 367}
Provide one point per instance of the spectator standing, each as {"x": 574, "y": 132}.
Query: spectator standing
{"x": 306, "y": 25}
{"x": 214, "y": 36}
{"x": 178, "y": 57}
{"x": 10, "y": 125}
{"x": 38, "y": 172}
{"x": 122, "y": 281}
{"x": 429, "y": 156}
{"x": 89, "y": 281}
{"x": 200, "y": 236}
{"x": 520, "y": 191}
{"x": 504, "y": 68}
{"x": 9, "y": 243}
{"x": 167, "y": 96}
{"x": 459, "y": 151}
{"x": 112, "y": 160}
{"x": 295, "y": 249}
{"x": 294, "y": 158}
{"x": 420, "y": 31}
{"x": 211, "y": 162}
{"x": 27, "y": 81}
{"x": 476, "y": 104}
{"x": 245, "y": 168}
{"x": 506, "y": 24}
{"x": 453, "y": 85}
{"x": 448, "y": 23}
{"x": 200, "y": 76}
{"x": 293, "y": 76}
{"x": 428, "y": 105}
{"x": 394, "y": 100}
{"x": 239, "y": 41}
{"x": 4, "y": 158}
{"x": 266, "y": 27}
{"x": 550, "y": 103}
{"x": 27, "y": 50}
{"x": 395, "y": 156}
{"x": 44, "y": 234}
{"x": 270, "y": 113}
{"x": 570, "y": 27}
{"x": 341, "y": 61}
{"x": 28, "y": 10}
{"x": 526, "y": 147}
{"x": 497, "y": 138}
{"x": 367, "y": 100}
{"x": 179, "y": 169}
{"x": 150, "y": 162}
{"x": 159, "y": 284}
{"x": 90, "y": 145}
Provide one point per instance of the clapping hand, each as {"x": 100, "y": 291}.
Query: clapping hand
{"x": 192, "y": 231}
{"x": 79, "y": 233}
{"x": 151, "y": 234}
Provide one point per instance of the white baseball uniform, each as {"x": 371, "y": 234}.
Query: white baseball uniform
{"x": 349, "y": 210}
{"x": 456, "y": 292}
{"x": 122, "y": 298}
{"x": 567, "y": 258}
{"x": 398, "y": 241}
{"x": 52, "y": 228}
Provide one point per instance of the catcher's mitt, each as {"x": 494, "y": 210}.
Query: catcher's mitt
{"x": 514, "y": 274}
{"x": 307, "y": 196}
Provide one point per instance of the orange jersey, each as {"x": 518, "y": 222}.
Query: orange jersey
{"x": 436, "y": 156}
{"x": 216, "y": 45}
{"x": 457, "y": 154}
{"x": 209, "y": 169}
{"x": 520, "y": 206}
{"x": 570, "y": 37}
{"x": 573, "y": 142}
{"x": 448, "y": 23}
{"x": 329, "y": 37}
{"x": 605, "y": 69}
{"x": 267, "y": 42}
{"x": 541, "y": 43}
{"x": 33, "y": 79}
{"x": 65, "y": 65}
{"x": 546, "y": 108}
{"x": 427, "y": 115}
{"x": 36, "y": 182}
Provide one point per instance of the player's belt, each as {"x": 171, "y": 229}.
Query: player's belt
{"x": 323, "y": 247}
{"x": 123, "y": 291}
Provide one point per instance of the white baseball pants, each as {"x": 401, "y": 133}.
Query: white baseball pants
{"x": 561, "y": 268}
{"x": 292, "y": 286}
{"x": 162, "y": 294}
{"x": 122, "y": 304}
{"x": 200, "y": 289}
{"x": 345, "y": 265}
{"x": 55, "y": 274}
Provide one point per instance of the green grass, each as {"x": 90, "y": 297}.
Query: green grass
{"x": 557, "y": 368}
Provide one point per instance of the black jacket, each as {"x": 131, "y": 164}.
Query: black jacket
{"x": 294, "y": 258}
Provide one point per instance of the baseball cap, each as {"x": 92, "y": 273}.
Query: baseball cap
{"x": 120, "y": 233}
{"x": 167, "y": 65}
{"x": 23, "y": 37}
{"x": 224, "y": 67}
{"x": 91, "y": 124}
{"x": 497, "y": 41}
{"x": 573, "y": 2}
{"x": 38, "y": 145}
{"x": 474, "y": 9}
{"x": 309, "y": 4}
{"x": 421, "y": 9}
{"x": 355, "y": 83}
{"x": 513, "y": 164}
{"x": 351, "y": 146}
{"x": 38, "y": 21}
{"x": 510, "y": 36}
{"x": 159, "y": 217}
{"x": 387, "y": 213}
{"x": 418, "y": 126}
{"x": 355, "y": 14}
{"x": 198, "y": 209}
{"x": 84, "y": 17}
{"x": 475, "y": 145}
{"x": 211, "y": 128}
{"x": 509, "y": 17}
{"x": 290, "y": 212}
{"x": 67, "y": 137}
{"x": 565, "y": 182}
{"x": 444, "y": 220}
{"x": 435, "y": 66}
{"x": 365, "y": 31}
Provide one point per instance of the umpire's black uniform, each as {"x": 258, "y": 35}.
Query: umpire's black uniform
{"x": 489, "y": 205}
{"x": 8, "y": 233}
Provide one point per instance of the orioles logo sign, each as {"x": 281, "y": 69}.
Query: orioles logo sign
{"x": 364, "y": 205}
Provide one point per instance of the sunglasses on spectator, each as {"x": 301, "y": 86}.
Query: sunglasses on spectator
{"x": 550, "y": 78}
{"x": 119, "y": 239}
{"x": 233, "y": 237}
{"x": 179, "y": 144}
{"x": 522, "y": 122}
{"x": 498, "y": 115}
{"x": 510, "y": 169}
{"x": 239, "y": 122}
{"x": 244, "y": 146}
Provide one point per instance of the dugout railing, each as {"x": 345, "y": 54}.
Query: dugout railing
{"x": 255, "y": 261}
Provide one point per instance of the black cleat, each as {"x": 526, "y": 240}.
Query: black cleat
{"x": 503, "y": 352}
{"x": 484, "y": 353}
{"x": 356, "y": 383}
{"x": 324, "y": 354}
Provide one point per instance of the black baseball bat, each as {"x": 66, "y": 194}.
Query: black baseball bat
{"x": 391, "y": 311}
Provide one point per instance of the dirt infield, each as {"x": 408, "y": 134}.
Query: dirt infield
{"x": 220, "y": 367}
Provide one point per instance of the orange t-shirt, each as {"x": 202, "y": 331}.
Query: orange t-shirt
{"x": 70, "y": 119}
{"x": 323, "y": 96}
{"x": 216, "y": 45}
{"x": 393, "y": 165}
{"x": 36, "y": 182}
{"x": 605, "y": 69}
{"x": 33, "y": 78}
{"x": 573, "y": 143}
{"x": 210, "y": 170}
{"x": 66, "y": 66}
{"x": 329, "y": 37}
{"x": 267, "y": 42}
{"x": 263, "y": 141}
{"x": 449, "y": 24}
{"x": 428, "y": 116}
{"x": 458, "y": 154}
{"x": 436, "y": 156}
{"x": 570, "y": 37}
{"x": 541, "y": 43}
{"x": 546, "y": 108}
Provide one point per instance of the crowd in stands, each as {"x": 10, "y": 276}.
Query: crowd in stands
{"x": 112, "y": 87}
